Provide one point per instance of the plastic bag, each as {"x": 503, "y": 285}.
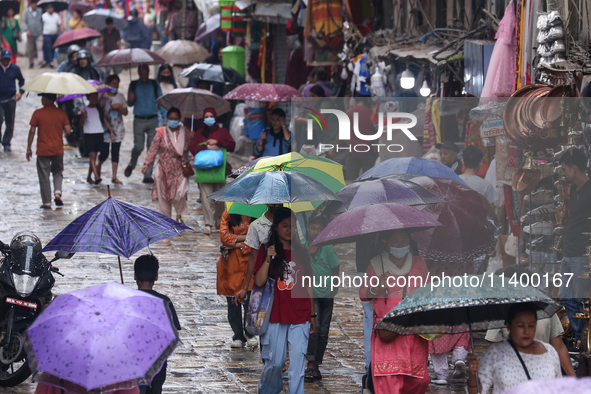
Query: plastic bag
{"x": 209, "y": 159}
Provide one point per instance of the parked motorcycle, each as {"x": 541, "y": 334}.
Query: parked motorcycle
{"x": 26, "y": 280}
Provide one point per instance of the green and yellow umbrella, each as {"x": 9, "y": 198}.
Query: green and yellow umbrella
{"x": 326, "y": 171}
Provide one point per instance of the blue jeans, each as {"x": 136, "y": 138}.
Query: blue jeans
{"x": 367, "y": 331}
{"x": 274, "y": 351}
{"x": 572, "y": 297}
{"x": 48, "y": 51}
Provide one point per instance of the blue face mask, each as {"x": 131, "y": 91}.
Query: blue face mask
{"x": 173, "y": 124}
{"x": 114, "y": 90}
{"x": 209, "y": 121}
{"x": 399, "y": 252}
{"x": 114, "y": 114}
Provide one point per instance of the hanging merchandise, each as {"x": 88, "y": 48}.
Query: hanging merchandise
{"x": 500, "y": 77}
{"x": 233, "y": 19}
{"x": 473, "y": 138}
{"x": 323, "y": 30}
{"x": 362, "y": 13}
{"x": 359, "y": 81}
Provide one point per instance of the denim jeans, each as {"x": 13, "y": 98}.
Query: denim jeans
{"x": 48, "y": 51}
{"x": 573, "y": 296}
{"x": 319, "y": 339}
{"x": 274, "y": 351}
{"x": 7, "y": 114}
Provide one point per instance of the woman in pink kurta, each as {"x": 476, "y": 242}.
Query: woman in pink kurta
{"x": 398, "y": 363}
{"x": 171, "y": 145}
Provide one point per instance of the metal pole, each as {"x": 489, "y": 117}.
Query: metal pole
{"x": 120, "y": 269}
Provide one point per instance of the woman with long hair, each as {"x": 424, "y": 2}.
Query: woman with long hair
{"x": 11, "y": 32}
{"x": 171, "y": 145}
{"x": 231, "y": 269}
{"x": 166, "y": 78}
{"x": 293, "y": 318}
{"x": 213, "y": 137}
{"x": 398, "y": 363}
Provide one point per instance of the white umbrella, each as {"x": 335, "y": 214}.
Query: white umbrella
{"x": 183, "y": 52}
{"x": 59, "y": 83}
{"x": 96, "y": 19}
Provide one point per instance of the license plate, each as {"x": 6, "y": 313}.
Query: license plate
{"x": 27, "y": 304}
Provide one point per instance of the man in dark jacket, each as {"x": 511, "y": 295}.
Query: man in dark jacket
{"x": 85, "y": 67}
{"x": 136, "y": 33}
{"x": 68, "y": 64}
{"x": 9, "y": 74}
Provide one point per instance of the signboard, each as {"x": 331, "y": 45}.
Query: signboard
{"x": 492, "y": 128}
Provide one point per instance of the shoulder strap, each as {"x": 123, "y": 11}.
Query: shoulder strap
{"x": 520, "y": 359}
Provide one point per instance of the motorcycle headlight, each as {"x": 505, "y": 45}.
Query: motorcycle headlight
{"x": 24, "y": 284}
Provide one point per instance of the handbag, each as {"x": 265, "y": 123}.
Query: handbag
{"x": 259, "y": 308}
{"x": 188, "y": 170}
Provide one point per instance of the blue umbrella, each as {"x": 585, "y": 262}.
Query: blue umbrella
{"x": 117, "y": 228}
{"x": 273, "y": 187}
{"x": 410, "y": 165}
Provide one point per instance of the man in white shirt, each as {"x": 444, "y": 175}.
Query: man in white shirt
{"x": 472, "y": 158}
{"x": 51, "y": 29}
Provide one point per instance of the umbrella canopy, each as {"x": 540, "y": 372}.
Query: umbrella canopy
{"x": 130, "y": 57}
{"x": 96, "y": 19}
{"x": 367, "y": 219}
{"x": 381, "y": 191}
{"x": 117, "y": 228}
{"x": 5, "y": 5}
{"x": 192, "y": 101}
{"x": 58, "y": 5}
{"x": 208, "y": 28}
{"x": 183, "y": 52}
{"x": 100, "y": 339}
{"x": 273, "y": 187}
{"x": 213, "y": 73}
{"x": 469, "y": 230}
{"x": 83, "y": 8}
{"x": 59, "y": 83}
{"x": 266, "y": 92}
{"x": 442, "y": 307}
{"x": 246, "y": 167}
{"x": 98, "y": 85}
{"x": 410, "y": 165}
{"x": 325, "y": 171}
{"x": 564, "y": 385}
{"x": 69, "y": 37}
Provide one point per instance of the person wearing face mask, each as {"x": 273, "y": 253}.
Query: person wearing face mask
{"x": 171, "y": 145}
{"x": 211, "y": 136}
{"x": 398, "y": 363}
{"x": 114, "y": 107}
{"x": 166, "y": 78}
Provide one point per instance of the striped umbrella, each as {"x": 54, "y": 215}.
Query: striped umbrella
{"x": 130, "y": 57}
{"x": 100, "y": 88}
{"x": 192, "y": 102}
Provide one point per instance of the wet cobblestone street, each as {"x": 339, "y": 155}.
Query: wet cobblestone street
{"x": 204, "y": 363}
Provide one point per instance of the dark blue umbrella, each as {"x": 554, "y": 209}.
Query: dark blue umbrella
{"x": 274, "y": 187}
{"x": 117, "y": 228}
{"x": 410, "y": 165}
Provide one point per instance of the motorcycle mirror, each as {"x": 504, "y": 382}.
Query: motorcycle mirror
{"x": 60, "y": 254}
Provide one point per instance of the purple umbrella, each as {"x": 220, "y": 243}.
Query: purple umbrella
{"x": 380, "y": 191}
{"x": 100, "y": 88}
{"x": 207, "y": 28}
{"x": 115, "y": 227}
{"x": 101, "y": 339}
{"x": 367, "y": 219}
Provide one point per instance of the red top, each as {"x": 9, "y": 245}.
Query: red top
{"x": 365, "y": 124}
{"x": 50, "y": 122}
{"x": 220, "y": 134}
{"x": 291, "y": 301}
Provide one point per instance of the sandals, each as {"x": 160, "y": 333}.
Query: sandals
{"x": 312, "y": 374}
{"x": 98, "y": 181}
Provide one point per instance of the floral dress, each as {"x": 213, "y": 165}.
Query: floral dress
{"x": 168, "y": 171}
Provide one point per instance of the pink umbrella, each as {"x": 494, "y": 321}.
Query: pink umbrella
{"x": 130, "y": 57}
{"x": 82, "y": 7}
{"x": 267, "y": 92}
{"x": 84, "y": 34}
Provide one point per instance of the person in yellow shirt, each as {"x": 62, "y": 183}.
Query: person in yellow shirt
{"x": 76, "y": 21}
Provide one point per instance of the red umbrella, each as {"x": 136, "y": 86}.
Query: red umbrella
{"x": 267, "y": 92}
{"x": 82, "y": 7}
{"x": 468, "y": 220}
{"x": 72, "y": 36}
{"x": 130, "y": 57}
